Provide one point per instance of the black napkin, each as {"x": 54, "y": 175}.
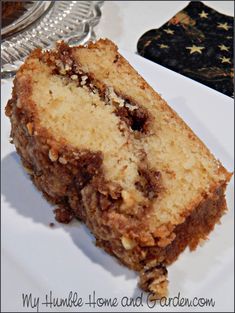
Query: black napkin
{"x": 197, "y": 42}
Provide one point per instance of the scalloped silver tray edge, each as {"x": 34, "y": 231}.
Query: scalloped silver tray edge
{"x": 74, "y": 30}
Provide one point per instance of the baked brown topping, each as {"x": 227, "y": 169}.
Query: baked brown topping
{"x": 63, "y": 215}
{"x": 88, "y": 165}
{"x": 108, "y": 194}
{"x": 149, "y": 183}
{"x": 136, "y": 119}
{"x": 154, "y": 280}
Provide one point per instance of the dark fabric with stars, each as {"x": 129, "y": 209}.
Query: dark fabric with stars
{"x": 197, "y": 42}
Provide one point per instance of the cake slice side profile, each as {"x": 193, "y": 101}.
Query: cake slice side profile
{"x": 104, "y": 147}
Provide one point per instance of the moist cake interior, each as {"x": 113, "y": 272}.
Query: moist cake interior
{"x": 145, "y": 150}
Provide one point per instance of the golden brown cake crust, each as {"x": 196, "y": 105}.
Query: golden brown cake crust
{"x": 73, "y": 180}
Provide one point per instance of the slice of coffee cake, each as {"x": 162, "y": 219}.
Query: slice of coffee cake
{"x": 104, "y": 147}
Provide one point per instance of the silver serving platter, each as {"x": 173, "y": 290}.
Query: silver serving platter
{"x": 44, "y": 23}
{"x": 32, "y": 11}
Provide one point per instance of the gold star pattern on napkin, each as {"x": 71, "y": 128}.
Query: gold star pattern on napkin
{"x": 223, "y": 48}
{"x": 195, "y": 49}
{"x": 162, "y": 46}
{"x": 169, "y": 31}
{"x": 224, "y": 26}
{"x": 196, "y": 42}
{"x": 203, "y": 14}
{"x": 225, "y": 60}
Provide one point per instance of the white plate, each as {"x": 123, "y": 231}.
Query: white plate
{"x": 37, "y": 258}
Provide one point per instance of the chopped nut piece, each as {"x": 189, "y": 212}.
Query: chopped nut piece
{"x": 53, "y": 155}
{"x": 18, "y": 104}
{"x": 62, "y": 160}
{"x": 166, "y": 241}
{"x": 67, "y": 67}
{"x": 84, "y": 77}
{"x": 128, "y": 243}
{"x": 30, "y": 128}
{"x": 128, "y": 199}
{"x": 74, "y": 77}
